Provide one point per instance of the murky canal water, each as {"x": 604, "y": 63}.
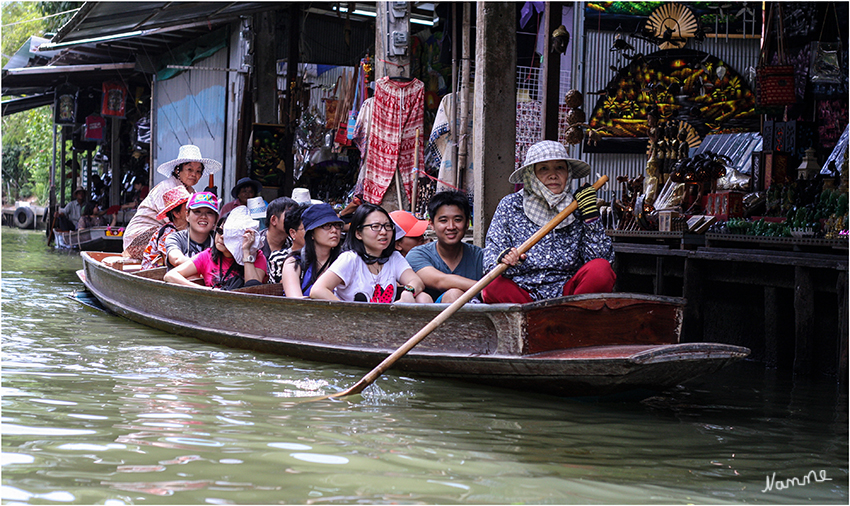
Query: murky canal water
{"x": 100, "y": 410}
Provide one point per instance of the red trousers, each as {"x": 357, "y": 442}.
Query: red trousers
{"x": 595, "y": 276}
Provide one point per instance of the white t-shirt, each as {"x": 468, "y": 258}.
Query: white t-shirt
{"x": 356, "y": 277}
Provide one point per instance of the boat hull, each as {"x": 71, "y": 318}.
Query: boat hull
{"x": 568, "y": 346}
{"x": 91, "y": 239}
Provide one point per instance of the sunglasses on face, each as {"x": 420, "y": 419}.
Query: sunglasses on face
{"x": 376, "y": 227}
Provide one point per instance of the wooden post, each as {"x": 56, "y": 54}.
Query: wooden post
{"x": 659, "y": 275}
{"x": 692, "y": 279}
{"x": 771, "y": 326}
{"x": 115, "y": 161}
{"x": 454, "y": 90}
{"x": 62, "y": 177}
{"x": 494, "y": 132}
{"x": 841, "y": 290}
{"x": 265, "y": 70}
{"x": 804, "y": 316}
{"x": 394, "y": 61}
{"x": 550, "y": 72}
{"x": 462, "y": 135}
{"x": 292, "y": 102}
{"x": 75, "y": 164}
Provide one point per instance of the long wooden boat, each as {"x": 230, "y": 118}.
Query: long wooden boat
{"x": 578, "y": 345}
{"x": 90, "y": 239}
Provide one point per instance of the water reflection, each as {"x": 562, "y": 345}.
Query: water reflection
{"x": 99, "y": 410}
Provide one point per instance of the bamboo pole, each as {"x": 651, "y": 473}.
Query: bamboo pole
{"x": 453, "y": 100}
{"x": 414, "y": 197}
{"x": 462, "y": 137}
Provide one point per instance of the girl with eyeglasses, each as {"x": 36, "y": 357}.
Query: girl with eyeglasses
{"x": 322, "y": 234}
{"x": 370, "y": 269}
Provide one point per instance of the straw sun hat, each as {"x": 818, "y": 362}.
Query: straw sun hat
{"x": 545, "y": 151}
{"x": 189, "y": 153}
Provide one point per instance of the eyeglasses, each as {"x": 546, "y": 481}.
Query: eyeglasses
{"x": 328, "y": 226}
{"x": 376, "y": 227}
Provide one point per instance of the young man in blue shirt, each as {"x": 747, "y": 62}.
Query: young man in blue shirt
{"x": 448, "y": 266}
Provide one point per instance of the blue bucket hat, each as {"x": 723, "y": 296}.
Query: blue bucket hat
{"x": 317, "y": 215}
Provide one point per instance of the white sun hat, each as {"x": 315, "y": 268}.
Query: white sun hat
{"x": 545, "y": 151}
{"x": 237, "y": 223}
{"x": 189, "y": 153}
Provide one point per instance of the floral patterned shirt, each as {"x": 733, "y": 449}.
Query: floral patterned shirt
{"x": 554, "y": 259}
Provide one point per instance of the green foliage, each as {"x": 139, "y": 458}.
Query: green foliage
{"x": 27, "y": 137}
{"x": 15, "y": 35}
{"x": 27, "y": 144}
{"x": 53, "y": 24}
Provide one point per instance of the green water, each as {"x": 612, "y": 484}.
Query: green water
{"x": 100, "y": 410}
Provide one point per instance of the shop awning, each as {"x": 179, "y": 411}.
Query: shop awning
{"x": 26, "y": 103}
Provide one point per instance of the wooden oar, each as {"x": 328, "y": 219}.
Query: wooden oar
{"x": 466, "y": 297}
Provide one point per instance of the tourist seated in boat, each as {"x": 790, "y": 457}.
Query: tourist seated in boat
{"x": 92, "y": 216}
{"x": 246, "y": 188}
{"x": 140, "y": 191}
{"x": 448, "y": 266}
{"x": 274, "y": 237}
{"x": 322, "y": 234}
{"x": 235, "y": 259}
{"x": 69, "y": 216}
{"x": 574, "y": 258}
{"x": 202, "y": 217}
{"x": 295, "y": 230}
{"x": 175, "y": 210}
{"x": 370, "y": 269}
{"x": 414, "y": 231}
{"x": 185, "y": 170}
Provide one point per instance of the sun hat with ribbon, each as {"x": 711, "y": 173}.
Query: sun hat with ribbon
{"x": 237, "y": 223}
{"x": 173, "y": 198}
{"x": 317, "y": 215}
{"x": 545, "y": 151}
{"x": 203, "y": 199}
{"x": 189, "y": 153}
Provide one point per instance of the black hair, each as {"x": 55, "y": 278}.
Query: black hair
{"x": 171, "y": 213}
{"x": 292, "y": 219}
{"x": 279, "y": 206}
{"x": 176, "y": 170}
{"x": 215, "y": 254}
{"x": 308, "y": 257}
{"x": 449, "y": 198}
{"x": 352, "y": 243}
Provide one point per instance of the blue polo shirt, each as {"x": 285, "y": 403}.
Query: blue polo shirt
{"x": 471, "y": 265}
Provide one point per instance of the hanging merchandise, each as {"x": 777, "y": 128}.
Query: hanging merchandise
{"x": 88, "y": 102}
{"x": 143, "y": 133}
{"x": 95, "y": 124}
{"x": 65, "y": 104}
{"x": 358, "y": 99}
{"x": 398, "y": 110}
{"x": 114, "y": 99}
{"x": 825, "y": 72}
{"x": 346, "y": 99}
{"x": 774, "y": 83}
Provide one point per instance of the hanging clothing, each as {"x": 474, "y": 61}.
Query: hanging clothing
{"x": 443, "y": 138}
{"x": 397, "y": 112}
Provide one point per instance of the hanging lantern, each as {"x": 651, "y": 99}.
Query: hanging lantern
{"x": 114, "y": 99}
{"x": 65, "y": 106}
